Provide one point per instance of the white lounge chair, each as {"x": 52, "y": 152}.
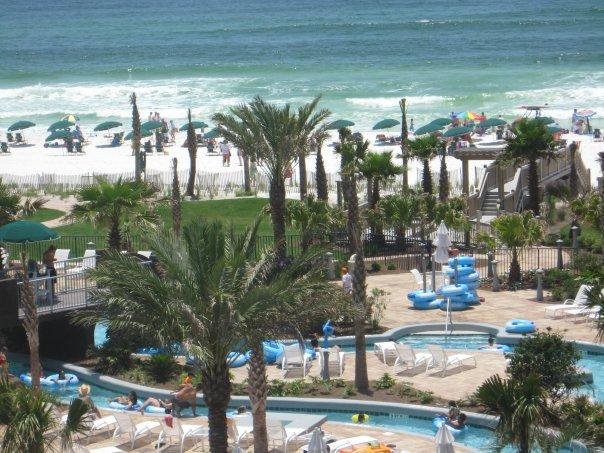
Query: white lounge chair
{"x": 554, "y": 311}
{"x": 336, "y": 361}
{"x": 441, "y": 359}
{"x": 583, "y": 313}
{"x": 385, "y": 350}
{"x": 294, "y": 358}
{"x": 419, "y": 279}
{"x": 61, "y": 257}
{"x": 94, "y": 424}
{"x": 81, "y": 449}
{"x": 408, "y": 359}
{"x": 126, "y": 426}
{"x": 279, "y": 434}
{"x": 238, "y": 432}
{"x": 180, "y": 432}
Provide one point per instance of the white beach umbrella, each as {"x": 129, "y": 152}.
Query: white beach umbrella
{"x": 444, "y": 440}
{"x": 442, "y": 243}
{"x": 317, "y": 443}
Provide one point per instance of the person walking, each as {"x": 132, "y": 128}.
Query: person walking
{"x": 225, "y": 150}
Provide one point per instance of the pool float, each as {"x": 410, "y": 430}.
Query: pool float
{"x": 520, "y": 326}
{"x": 497, "y": 348}
{"x": 440, "y": 420}
{"x": 461, "y": 271}
{"x": 462, "y": 260}
{"x": 421, "y": 296}
{"x": 135, "y": 407}
{"x": 469, "y": 278}
{"x": 273, "y": 351}
{"x": 236, "y": 359}
{"x": 453, "y": 290}
{"x": 453, "y": 305}
{"x": 472, "y": 286}
{"x": 430, "y": 305}
{"x": 469, "y": 297}
{"x": 52, "y": 380}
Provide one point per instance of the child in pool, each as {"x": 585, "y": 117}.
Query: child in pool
{"x": 459, "y": 423}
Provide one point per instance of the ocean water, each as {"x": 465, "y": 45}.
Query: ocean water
{"x": 68, "y": 56}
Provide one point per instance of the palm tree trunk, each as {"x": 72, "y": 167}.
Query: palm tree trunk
{"x": 257, "y": 390}
{"x": 30, "y": 324}
{"x": 192, "y": 171}
{"x": 443, "y": 183}
{"x": 533, "y": 186}
{"x": 514, "y": 268}
{"x": 216, "y": 395}
{"x": 404, "y": 137}
{"x": 277, "y": 202}
{"x": 322, "y": 193}
{"x": 573, "y": 178}
{"x": 175, "y": 199}
{"x": 303, "y": 179}
{"x": 114, "y": 239}
{"x": 359, "y": 295}
{"x": 247, "y": 184}
{"x": 426, "y": 177}
{"x": 370, "y": 192}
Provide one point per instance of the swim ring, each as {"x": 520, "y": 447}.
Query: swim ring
{"x": 504, "y": 348}
{"x": 440, "y": 420}
{"x": 453, "y": 290}
{"x": 453, "y": 305}
{"x": 461, "y": 271}
{"x": 462, "y": 260}
{"x": 472, "y": 286}
{"x": 520, "y": 326}
{"x": 430, "y": 305}
{"x": 421, "y": 296}
{"x": 236, "y": 359}
{"x": 135, "y": 407}
{"x": 469, "y": 278}
{"x": 469, "y": 297}
{"x": 52, "y": 380}
{"x": 273, "y": 351}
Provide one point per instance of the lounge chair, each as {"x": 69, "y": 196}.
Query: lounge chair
{"x": 19, "y": 139}
{"x": 126, "y": 426}
{"x": 408, "y": 359}
{"x": 582, "y": 313}
{"x": 554, "y": 311}
{"x": 61, "y": 256}
{"x": 336, "y": 361}
{"x": 419, "y": 279}
{"x": 174, "y": 429}
{"x": 4, "y": 148}
{"x": 81, "y": 449}
{"x": 88, "y": 262}
{"x": 279, "y": 434}
{"x": 441, "y": 359}
{"x": 238, "y": 432}
{"x": 10, "y": 138}
{"x": 294, "y": 358}
{"x": 93, "y": 424}
{"x": 386, "y": 350}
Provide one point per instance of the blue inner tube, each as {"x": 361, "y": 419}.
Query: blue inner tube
{"x": 469, "y": 278}
{"x": 421, "y": 296}
{"x": 520, "y": 326}
{"x": 273, "y": 351}
{"x": 461, "y": 271}
{"x": 427, "y": 305}
{"x": 439, "y": 420}
{"x": 499, "y": 347}
{"x": 236, "y": 359}
{"x": 136, "y": 407}
{"x": 52, "y": 380}
{"x": 462, "y": 260}
{"x": 453, "y": 306}
{"x": 469, "y": 297}
{"x": 453, "y": 290}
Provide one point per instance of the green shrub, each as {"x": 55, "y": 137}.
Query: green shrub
{"x": 391, "y": 267}
{"x": 384, "y": 382}
{"x": 113, "y": 360}
{"x": 376, "y": 267}
{"x": 349, "y": 391}
{"x": 561, "y": 283}
{"x": 425, "y": 397}
{"x": 161, "y": 367}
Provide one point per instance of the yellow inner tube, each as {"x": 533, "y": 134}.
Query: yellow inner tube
{"x": 355, "y": 418}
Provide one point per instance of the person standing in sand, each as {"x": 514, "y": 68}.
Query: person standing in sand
{"x": 225, "y": 150}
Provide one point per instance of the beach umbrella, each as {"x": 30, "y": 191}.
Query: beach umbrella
{"x": 585, "y": 113}
{"x": 444, "y": 440}
{"x": 105, "y": 126}
{"x": 71, "y": 118}
{"x": 339, "y": 124}
{"x": 62, "y": 124}
{"x": 212, "y": 134}
{"x": 152, "y": 125}
{"x": 545, "y": 120}
{"x": 59, "y": 134}
{"x": 317, "y": 442}
{"x": 554, "y": 129}
{"x": 472, "y": 116}
{"x": 428, "y": 128}
{"x": 442, "y": 242}
{"x": 144, "y": 133}
{"x": 20, "y": 125}
{"x": 23, "y": 231}
{"x": 492, "y": 122}
{"x": 441, "y": 121}
{"x": 386, "y": 124}
{"x": 457, "y": 131}
{"x": 196, "y": 125}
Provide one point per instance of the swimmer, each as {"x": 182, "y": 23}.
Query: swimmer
{"x": 360, "y": 418}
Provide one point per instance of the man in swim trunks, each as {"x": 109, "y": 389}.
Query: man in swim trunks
{"x": 184, "y": 398}
{"x": 156, "y": 402}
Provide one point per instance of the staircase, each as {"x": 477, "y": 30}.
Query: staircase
{"x": 489, "y": 204}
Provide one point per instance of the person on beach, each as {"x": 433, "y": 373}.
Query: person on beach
{"x": 225, "y": 150}
{"x": 173, "y": 131}
{"x": 314, "y": 341}
{"x": 84, "y": 397}
{"x": 346, "y": 281}
{"x": 211, "y": 146}
{"x": 48, "y": 259}
{"x": 188, "y": 380}
{"x": 150, "y": 118}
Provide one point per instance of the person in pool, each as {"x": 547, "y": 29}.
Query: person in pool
{"x": 184, "y": 398}
{"x": 458, "y": 423}
{"x": 360, "y": 418}
{"x": 156, "y": 402}
{"x": 129, "y": 400}
{"x": 453, "y": 412}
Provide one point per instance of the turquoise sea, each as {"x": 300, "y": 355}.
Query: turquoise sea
{"x": 85, "y": 57}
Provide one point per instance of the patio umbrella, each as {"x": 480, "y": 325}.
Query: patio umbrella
{"x": 71, "y": 118}
{"x": 196, "y": 125}
{"x": 386, "y": 124}
{"x": 428, "y": 128}
{"x": 20, "y": 125}
{"x": 59, "y": 134}
{"x": 24, "y": 231}
{"x": 151, "y": 125}
{"x": 441, "y": 121}
{"x": 62, "y": 124}
{"x": 442, "y": 242}
{"x": 585, "y": 113}
{"x": 545, "y": 120}
{"x": 317, "y": 442}
{"x": 472, "y": 116}
{"x": 105, "y": 126}
{"x": 444, "y": 440}
{"x": 457, "y": 131}
{"x": 212, "y": 134}
{"x": 492, "y": 122}
{"x": 554, "y": 129}
{"x": 144, "y": 133}
{"x": 339, "y": 124}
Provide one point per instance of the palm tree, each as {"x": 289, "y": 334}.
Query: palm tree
{"x": 279, "y": 133}
{"x": 313, "y": 218}
{"x": 212, "y": 295}
{"x": 9, "y": 204}
{"x": 31, "y": 325}
{"x": 352, "y": 152}
{"x": 595, "y": 299}
{"x": 118, "y": 206}
{"x": 530, "y": 142}
{"x": 404, "y": 143}
{"x": 139, "y": 158}
{"x": 573, "y": 178}
{"x": 443, "y": 181}
{"x": 378, "y": 168}
{"x": 192, "y": 148}
{"x": 319, "y": 137}
{"x": 516, "y": 230}
{"x": 399, "y": 212}
{"x": 424, "y": 149}
{"x": 175, "y": 201}
{"x": 522, "y": 408}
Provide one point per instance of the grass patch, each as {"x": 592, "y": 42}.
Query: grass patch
{"x": 44, "y": 215}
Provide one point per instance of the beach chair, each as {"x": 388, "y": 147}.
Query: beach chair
{"x": 279, "y": 434}
{"x": 335, "y": 362}
{"x": 408, "y": 359}
{"x": 78, "y": 147}
{"x": 554, "y": 311}
{"x": 385, "y": 350}
{"x": 419, "y": 280}
{"x": 125, "y": 426}
{"x": 77, "y": 448}
{"x": 172, "y": 428}
{"x": 294, "y": 358}
{"x": 61, "y": 256}
{"x": 4, "y": 148}
{"x": 10, "y": 138}
{"x": 582, "y": 313}
{"x": 88, "y": 262}
{"x": 237, "y": 432}
{"x": 445, "y": 361}
{"x": 93, "y": 424}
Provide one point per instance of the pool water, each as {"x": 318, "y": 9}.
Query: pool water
{"x": 454, "y": 341}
